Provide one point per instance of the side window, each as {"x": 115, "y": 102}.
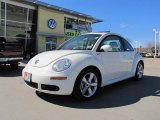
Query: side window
{"x": 127, "y": 46}
{"x": 114, "y": 42}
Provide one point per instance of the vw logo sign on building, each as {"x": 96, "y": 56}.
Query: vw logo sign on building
{"x": 52, "y": 23}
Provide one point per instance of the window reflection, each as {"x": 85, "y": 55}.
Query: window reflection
{"x": 74, "y": 27}
{"x": 2, "y": 10}
{"x": 21, "y": 25}
{"x": 16, "y": 13}
{"x": 2, "y": 28}
{"x": 2, "y": 16}
{"x": 13, "y": 29}
{"x": 51, "y": 43}
{"x": 30, "y": 17}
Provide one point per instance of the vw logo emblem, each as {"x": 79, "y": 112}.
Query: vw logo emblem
{"x": 36, "y": 62}
{"x": 52, "y": 23}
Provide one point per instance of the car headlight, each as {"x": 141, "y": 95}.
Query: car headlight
{"x": 61, "y": 65}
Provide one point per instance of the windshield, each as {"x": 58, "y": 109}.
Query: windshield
{"x": 82, "y": 42}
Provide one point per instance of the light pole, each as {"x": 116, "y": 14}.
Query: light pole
{"x": 155, "y": 31}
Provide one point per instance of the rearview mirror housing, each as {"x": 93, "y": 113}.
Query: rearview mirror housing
{"x": 106, "y": 48}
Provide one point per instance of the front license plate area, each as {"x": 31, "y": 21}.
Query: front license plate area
{"x": 28, "y": 76}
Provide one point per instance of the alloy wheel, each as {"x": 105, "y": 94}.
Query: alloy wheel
{"x": 139, "y": 71}
{"x": 89, "y": 84}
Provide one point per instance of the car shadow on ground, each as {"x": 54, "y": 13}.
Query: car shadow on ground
{"x": 6, "y": 71}
{"x": 120, "y": 94}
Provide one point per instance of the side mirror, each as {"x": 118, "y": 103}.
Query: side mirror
{"x": 106, "y": 48}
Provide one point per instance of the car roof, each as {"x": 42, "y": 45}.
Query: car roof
{"x": 101, "y": 33}
{"x": 105, "y": 33}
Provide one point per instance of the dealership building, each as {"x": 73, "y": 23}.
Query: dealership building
{"x": 40, "y": 26}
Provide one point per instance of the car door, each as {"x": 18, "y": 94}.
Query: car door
{"x": 114, "y": 66}
{"x": 128, "y": 55}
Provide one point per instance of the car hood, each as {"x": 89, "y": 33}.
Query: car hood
{"x": 46, "y": 58}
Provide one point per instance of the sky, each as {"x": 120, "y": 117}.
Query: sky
{"x": 133, "y": 19}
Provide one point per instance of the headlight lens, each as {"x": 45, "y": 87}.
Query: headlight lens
{"x": 61, "y": 65}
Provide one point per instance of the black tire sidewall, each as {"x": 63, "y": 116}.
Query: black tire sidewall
{"x": 136, "y": 76}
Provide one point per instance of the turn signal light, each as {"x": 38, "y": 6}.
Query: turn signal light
{"x": 58, "y": 78}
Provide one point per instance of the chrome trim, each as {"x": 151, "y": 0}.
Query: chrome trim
{"x": 10, "y": 59}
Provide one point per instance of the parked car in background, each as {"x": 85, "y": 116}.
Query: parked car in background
{"x": 84, "y": 64}
{"x": 10, "y": 53}
{"x": 149, "y": 55}
{"x": 143, "y": 54}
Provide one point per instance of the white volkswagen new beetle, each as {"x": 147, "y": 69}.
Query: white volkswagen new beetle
{"x": 84, "y": 64}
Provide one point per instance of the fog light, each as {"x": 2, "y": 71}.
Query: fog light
{"x": 58, "y": 78}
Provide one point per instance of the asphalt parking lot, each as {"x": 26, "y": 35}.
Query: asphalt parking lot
{"x": 127, "y": 100}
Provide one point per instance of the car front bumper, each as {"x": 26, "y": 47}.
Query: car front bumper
{"x": 41, "y": 81}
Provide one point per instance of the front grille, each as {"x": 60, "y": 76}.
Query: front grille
{"x": 32, "y": 84}
{"x": 50, "y": 87}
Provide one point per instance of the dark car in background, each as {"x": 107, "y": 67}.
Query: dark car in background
{"x": 10, "y": 53}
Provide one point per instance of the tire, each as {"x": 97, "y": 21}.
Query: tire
{"x": 87, "y": 85}
{"x": 139, "y": 71}
{"x": 14, "y": 66}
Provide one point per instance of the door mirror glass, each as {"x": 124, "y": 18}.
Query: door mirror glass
{"x": 106, "y": 48}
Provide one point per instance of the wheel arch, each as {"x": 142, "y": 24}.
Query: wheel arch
{"x": 137, "y": 58}
{"x": 75, "y": 92}
{"x": 90, "y": 67}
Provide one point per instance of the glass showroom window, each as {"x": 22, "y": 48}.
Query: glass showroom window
{"x": 31, "y": 31}
{"x": 75, "y": 27}
{"x": 15, "y": 30}
{"x": 69, "y": 22}
{"x": 16, "y": 13}
{"x": 32, "y": 24}
{"x": 18, "y": 24}
{"x": 20, "y": 21}
{"x": 71, "y": 27}
{"x": 2, "y": 18}
{"x": 51, "y": 43}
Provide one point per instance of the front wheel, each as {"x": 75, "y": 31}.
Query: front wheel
{"x": 139, "y": 71}
{"x": 87, "y": 85}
